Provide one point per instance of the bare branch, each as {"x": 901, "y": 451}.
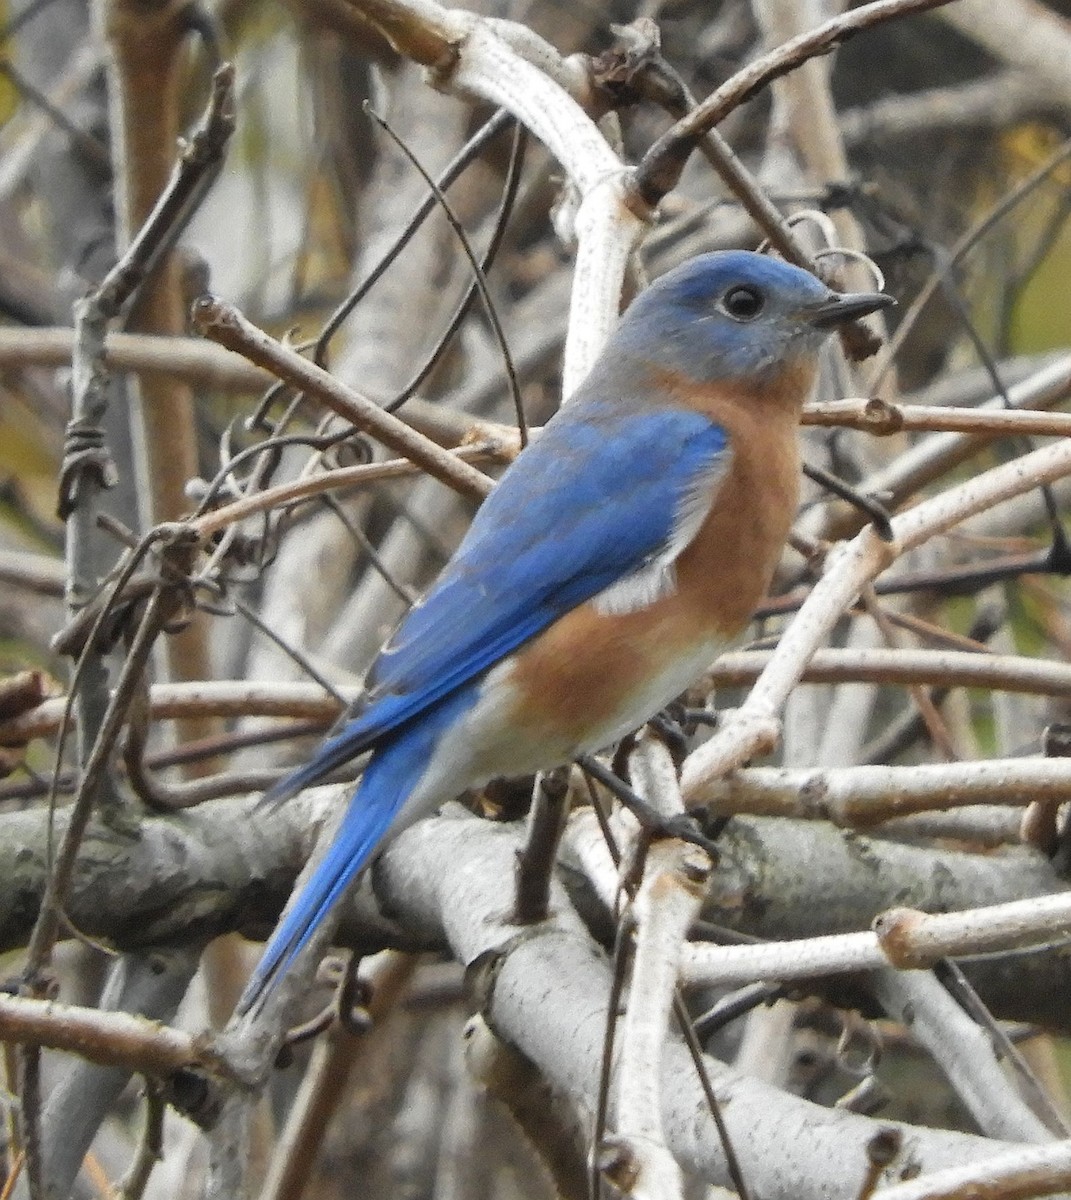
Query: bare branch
{"x": 861, "y": 796}
{"x": 110, "y": 1038}
{"x": 1013, "y": 1175}
{"x": 225, "y": 324}
{"x": 753, "y": 728}
{"x": 661, "y": 167}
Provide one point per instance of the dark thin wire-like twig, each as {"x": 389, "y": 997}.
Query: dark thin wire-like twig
{"x": 602, "y": 1094}
{"x": 363, "y": 541}
{"x": 478, "y": 276}
{"x": 951, "y": 975}
{"x": 257, "y": 419}
{"x": 953, "y": 581}
{"x": 732, "y": 1163}
{"x": 735, "y": 1005}
{"x": 684, "y": 827}
{"x": 876, "y": 512}
{"x": 602, "y": 817}
{"x": 90, "y": 146}
{"x": 509, "y": 196}
{"x": 262, "y": 473}
{"x": 900, "y": 733}
{"x": 292, "y": 652}
{"x": 165, "y": 798}
{"x": 622, "y": 948}
{"x": 963, "y": 245}
{"x": 952, "y": 294}
{"x": 464, "y": 157}
{"x": 275, "y": 443}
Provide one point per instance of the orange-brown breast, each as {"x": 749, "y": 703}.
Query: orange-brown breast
{"x": 581, "y": 671}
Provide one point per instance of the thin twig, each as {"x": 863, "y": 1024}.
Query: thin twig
{"x": 938, "y": 730}
{"x": 223, "y": 323}
{"x": 150, "y": 1146}
{"x": 901, "y": 937}
{"x": 337, "y": 479}
{"x": 113, "y": 1039}
{"x": 860, "y": 796}
{"x": 196, "y": 362}
{"x": 661, "y": 167}
{"x": 478, "y": 276}
{"x": 505, "y": 208}
{"x": 453, "y": 170}
{"x": 963, "y": 245}
{"x": 882, "y": 418}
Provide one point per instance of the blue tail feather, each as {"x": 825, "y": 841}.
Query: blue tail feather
{"x": 388, "y": 782}
{"x": 359, "y": 734}
{"x": 369, "y": 815}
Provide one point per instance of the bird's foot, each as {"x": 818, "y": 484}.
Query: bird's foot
{"x": 687, "y": 828}
{"x": 654, "y": 825}
{"x": 669, "y": 727}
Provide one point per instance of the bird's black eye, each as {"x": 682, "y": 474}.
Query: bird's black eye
{"x": 742, "y": 303}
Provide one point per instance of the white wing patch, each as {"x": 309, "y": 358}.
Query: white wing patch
{"x": 639, "y": 589}
{"x": 656, "y": 577}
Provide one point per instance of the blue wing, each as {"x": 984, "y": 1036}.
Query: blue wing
{"x": 595, "y": 497}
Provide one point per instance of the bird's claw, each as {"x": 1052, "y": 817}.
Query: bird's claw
{"x": 682, "y": 826}
{"x": 686, "y": 828}
{"x": 668, "y": 725}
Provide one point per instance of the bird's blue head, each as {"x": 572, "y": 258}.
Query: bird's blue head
{"x": 735, "y": 314}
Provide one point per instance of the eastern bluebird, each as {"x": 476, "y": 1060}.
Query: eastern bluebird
{"x": 624, "y": 549}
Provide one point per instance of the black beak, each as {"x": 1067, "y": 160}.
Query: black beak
{"x": 846, "y": 306}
